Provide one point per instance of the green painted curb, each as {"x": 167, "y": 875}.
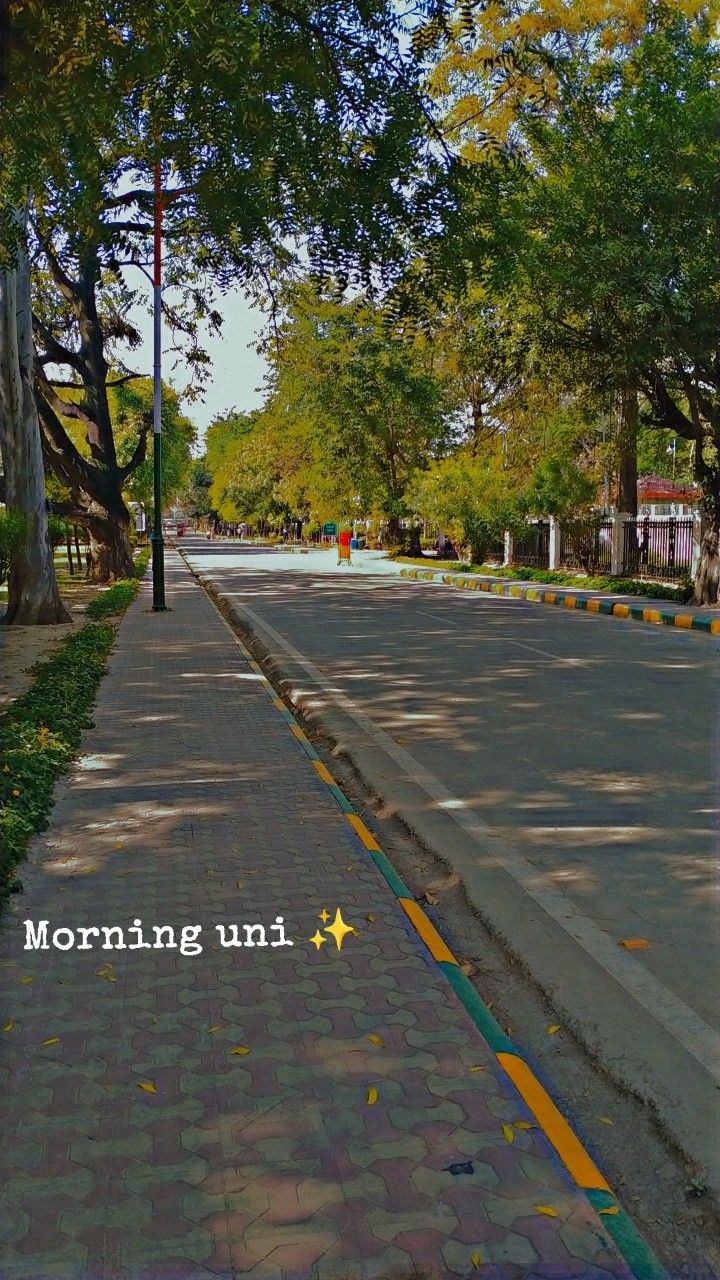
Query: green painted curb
{"x": 621, "y": 1228}
{"x": 478, "y": 1010}
{"x": 397, "y": 885}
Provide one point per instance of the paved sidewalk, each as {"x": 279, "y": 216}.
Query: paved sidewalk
{"x": 141, "y": 1139}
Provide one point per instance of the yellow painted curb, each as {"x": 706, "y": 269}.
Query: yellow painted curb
{"x": 549, "y": 597}
{"x": 278, "y": 702}
{"x": 554, "y": 1126}
{"x": 683, "y": 620}
{"x": 651, "y": 615}
{"x": 532, "y": 595}
{"x": 485, "y": 586}
{"x": 715, "y": 627}
{"x": 593, "y": 606}
{"x": 325, "y": 773}
{"x": 366, "y": 836}
{"x": 570, "y": 602}
{"x": 297, "y": 733}
{"x": 515, "y": 592}
{"x": 429, "y": 934}
{"x": 621, "y": 611}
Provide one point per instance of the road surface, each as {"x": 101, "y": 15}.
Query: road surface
{"x": 583, "y": 746}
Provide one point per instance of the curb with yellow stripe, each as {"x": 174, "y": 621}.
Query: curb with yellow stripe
{"x": 568, "y": 599}
{"x": 582, "y": 1170}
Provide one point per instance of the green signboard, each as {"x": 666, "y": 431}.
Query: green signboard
{"x": 330, "y": 528}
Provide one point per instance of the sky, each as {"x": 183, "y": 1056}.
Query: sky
{"x": 237, "y": 370}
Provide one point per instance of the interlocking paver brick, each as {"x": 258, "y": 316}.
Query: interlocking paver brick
{"x": 192, "y": 804}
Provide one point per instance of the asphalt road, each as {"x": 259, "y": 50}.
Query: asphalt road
{"x": 588, "y": 744}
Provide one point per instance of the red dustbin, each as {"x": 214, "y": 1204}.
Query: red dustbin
{"x": 344, "y": 546}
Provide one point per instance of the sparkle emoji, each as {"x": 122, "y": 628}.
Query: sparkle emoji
{"x": 339, "y": 929}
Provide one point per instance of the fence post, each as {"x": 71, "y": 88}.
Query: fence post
{"x": 698, "y": 530}
{"x": 617, "y": 550}
{"x": 507, "y": 558}
{"x": 554, "y": 551}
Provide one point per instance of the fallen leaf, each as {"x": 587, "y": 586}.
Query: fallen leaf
{"x": 635, "y": 944}
{"x": 372, "y": 1097}
{"x": 212, "y": 1030}
{"x": 547, "y": 1209}
{"x": 522, "y": 1124}
{"x": 431, "y": 899}
{"x": 209, "y": 871}
{"x": 9, "y": 1026}
{"x": 350, "y": 867}
{"x": 119, "y": 846}
{"x": 605, "y": 1120}
{"x": 240, "y": 884}
{"x": 458, "y": 1167}
{"x": 27, "y": 979}
{"x": 476, "y": 1259}
{"x": 147, "y": 1086}
{"x": 611, "y": 1210}
{"x": 52, "y": 1040}
{"x": 106, "y": 971}
{"x": 468, "y": 968}
{"x": 508, "y": 1133}
{"x": 370, "y": 918}
{"x": 240, "y": 1050}
{"x": 477, "y": 1067}
{"x": 374, "y": 1039}
{"x": 553, "y": 1030}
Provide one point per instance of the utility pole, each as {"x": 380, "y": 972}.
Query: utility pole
{"x": 158, "y": 546}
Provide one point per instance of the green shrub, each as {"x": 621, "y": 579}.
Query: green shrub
{"x": 39, "y": 734}
{"x": 114, "y": 600}
{"x": 13, "y": 536}
{"x": 58, "y": 530}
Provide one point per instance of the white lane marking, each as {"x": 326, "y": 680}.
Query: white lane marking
{"x": 518, "y": 644}
{"x": 700, "y": 1040}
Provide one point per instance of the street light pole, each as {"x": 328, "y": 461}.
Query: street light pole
{"x": 158, "y": 546}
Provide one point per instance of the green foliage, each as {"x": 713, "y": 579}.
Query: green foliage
{"x": 39, "y": 734}
{"x": 114, "y": 600}
{"x": 13, "y": 537}
{"x": 471, "y": 496}
{"x": 196, "y": 494}
{"x": 559, "y": 487}
{"x": 131, "y": 406}
{"x": 58, "y": 530}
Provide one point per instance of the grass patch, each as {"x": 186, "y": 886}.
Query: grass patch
{"x": 680, "y": 594}
{"x": 115, "y": 600}
{"x": 39, "y": 735}
{"x": 121, "y": 594}
{"x": 40, "y": 731}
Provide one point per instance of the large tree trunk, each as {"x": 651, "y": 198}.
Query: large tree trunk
{"x": 707, "y": 575}
{"x": 108, "y": 531}
{"x": 627, "y": 450}
{"x": 33, "y": 595}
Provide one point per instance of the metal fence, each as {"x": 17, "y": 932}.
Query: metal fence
{"x": 587, "y": 545}
{"x": 532, "y": 546}
{"x": 660, "y": 549}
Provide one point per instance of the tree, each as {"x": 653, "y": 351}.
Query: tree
{"x": 281, "y": 124}
{"x": 618, "y": 279}
{"x": 131, "y": 411}
{"x": 33, "y": 595}
{"x": 367, "y": 414}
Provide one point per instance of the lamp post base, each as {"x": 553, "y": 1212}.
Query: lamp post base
{"x": 158, "y": 572}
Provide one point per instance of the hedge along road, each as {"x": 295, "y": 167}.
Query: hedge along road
{"x": 564, "y": 764}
